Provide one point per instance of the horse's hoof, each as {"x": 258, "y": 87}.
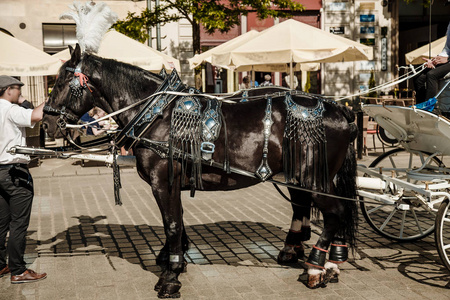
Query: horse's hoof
{"x": 170, "y": 290}
{"x": 331, "y": 276}
{"x": 166, "y": 296}
{"x": 334, "y": 279}
{"x": 287, "y": 258}
{"x": 290, "y": 255}
{"x": 316, "y": 281}
{"x": 159, "y": 284}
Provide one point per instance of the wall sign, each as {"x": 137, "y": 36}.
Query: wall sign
{"x": 367, "y": 18}
{"x": 367, "y": 42}
{"x": 337, "y": 6}
{"x": 367, "y": 6}
{"x": 383, "y": 54}
{"x": 367, "y": 29}
{"x": 367, "y": 65}
{"x": 337, "y": 29}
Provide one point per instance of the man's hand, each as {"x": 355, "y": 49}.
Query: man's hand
{"x": 38, "y": 113}
{"x": 438, "y": 60}
{"x": 21, "y": 99}
{"x": 429, "y": 63}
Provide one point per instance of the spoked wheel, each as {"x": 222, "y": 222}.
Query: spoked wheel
{"x": 385, "y": 137}
{"x": 442, "y": 234}
{"x": 407, "y": 219}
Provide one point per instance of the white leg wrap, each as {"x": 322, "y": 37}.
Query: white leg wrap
{"x": 335, "y": 267}
{"x": 306, "y": 222}
{"x": 296, "y": 225}
{"x": 315, "y": 271}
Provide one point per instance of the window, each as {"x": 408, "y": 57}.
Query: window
{"x": 58, "y": 36}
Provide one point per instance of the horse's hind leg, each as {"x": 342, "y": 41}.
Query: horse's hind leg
{"x": 338, "y": 254}
{"x": 320, "y": 272}
{"x": 300, "y": 230}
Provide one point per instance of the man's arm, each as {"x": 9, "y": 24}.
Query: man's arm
{"x": 38, "y": 113}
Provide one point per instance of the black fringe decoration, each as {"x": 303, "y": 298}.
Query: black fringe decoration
{"x": 116, "y": 178}
{"x": 185, "y": 136}
{"x": 305, "y": 146}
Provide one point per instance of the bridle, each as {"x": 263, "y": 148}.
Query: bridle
{"x": 76, "y": 85}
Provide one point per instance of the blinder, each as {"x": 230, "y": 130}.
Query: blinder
{"x": 76, "y": 85}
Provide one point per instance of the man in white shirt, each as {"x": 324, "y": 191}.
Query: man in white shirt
{"x": 16, "y": 183}
{"x": 427, "y": 83}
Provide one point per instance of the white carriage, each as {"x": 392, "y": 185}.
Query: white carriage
{"x": 406, "y": 191}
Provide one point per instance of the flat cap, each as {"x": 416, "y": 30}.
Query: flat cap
{"x": 8, "y": 80}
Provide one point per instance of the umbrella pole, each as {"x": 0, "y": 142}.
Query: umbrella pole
{"x": 253, "y": 77}
{"x": 291, "y": 76}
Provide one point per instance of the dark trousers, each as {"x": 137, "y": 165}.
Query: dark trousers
{"x": 427, "y": 83}
{"x": 16, "y": 198}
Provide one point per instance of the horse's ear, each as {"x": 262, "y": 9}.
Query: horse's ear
{"x": 70, "y": 50}
{"x": 75, "y": 54}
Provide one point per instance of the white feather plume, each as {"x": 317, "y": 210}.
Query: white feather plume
{"x": 93, "y": 21}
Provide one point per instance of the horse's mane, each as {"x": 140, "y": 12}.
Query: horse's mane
{"x": 130, "y": 79}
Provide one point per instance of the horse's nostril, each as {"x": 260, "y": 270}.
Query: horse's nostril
{"x": 44, "y": 126}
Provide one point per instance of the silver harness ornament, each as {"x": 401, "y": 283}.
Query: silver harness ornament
{"x": 264, "y": 170}
{"x": 211, "y": 123}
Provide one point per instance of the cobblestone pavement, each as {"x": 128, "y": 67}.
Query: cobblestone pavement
{"x": 92, "y": 249}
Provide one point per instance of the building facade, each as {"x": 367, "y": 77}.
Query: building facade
{"x": 37, "y": 23}
{"x": 391, "y": 27}
{"x": 311, "y": 16}
{"x": 368, "y": 22}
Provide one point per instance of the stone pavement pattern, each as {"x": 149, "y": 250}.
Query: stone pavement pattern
{"x": 92, "y": 249}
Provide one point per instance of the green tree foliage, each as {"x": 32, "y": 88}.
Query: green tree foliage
{"x": 372, "y": 84}
{"x": 211, "y": 14}
{"x": 308, "y": 82}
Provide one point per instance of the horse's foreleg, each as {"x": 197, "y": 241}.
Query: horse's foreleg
{"x": 171, "y": 258}
{"x": 163, "y": 258}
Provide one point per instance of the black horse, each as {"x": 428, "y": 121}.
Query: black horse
{"x": 243, "y": 144}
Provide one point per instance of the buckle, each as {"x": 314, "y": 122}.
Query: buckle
{"x": 207, "y": 147}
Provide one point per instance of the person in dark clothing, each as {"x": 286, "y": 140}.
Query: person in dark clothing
{"x": 427, "y": 83}
{"x": 97, "y": 127}
{"x": 16, "y": 183}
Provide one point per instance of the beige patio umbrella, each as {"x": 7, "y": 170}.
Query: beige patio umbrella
{"x": 293, "y": 42}
{"x": 198, "y": 59}
{"x": 236, "y": 42}
{"x": 416, "y": 57}
{"x": 118, "y": 46}
{"x": 18, "y": 58}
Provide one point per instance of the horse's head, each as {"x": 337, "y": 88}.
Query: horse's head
{"x": 70, "y": 98}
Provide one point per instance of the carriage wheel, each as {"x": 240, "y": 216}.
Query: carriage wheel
{"x": 408, "y": 219}
{"x": 385, "y": 137}
{"x": 442, "y": 234}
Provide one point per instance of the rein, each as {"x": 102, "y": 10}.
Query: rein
{"x": 223, "y": 99}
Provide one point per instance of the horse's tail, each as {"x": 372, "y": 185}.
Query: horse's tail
{"x": 346, "y": 187}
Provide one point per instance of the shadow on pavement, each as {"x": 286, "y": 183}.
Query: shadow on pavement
{"x": 234, "y": 243}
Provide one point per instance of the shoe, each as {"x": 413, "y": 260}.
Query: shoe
{"x": 4, "y": 271}
{"x": 27, "y": 276}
